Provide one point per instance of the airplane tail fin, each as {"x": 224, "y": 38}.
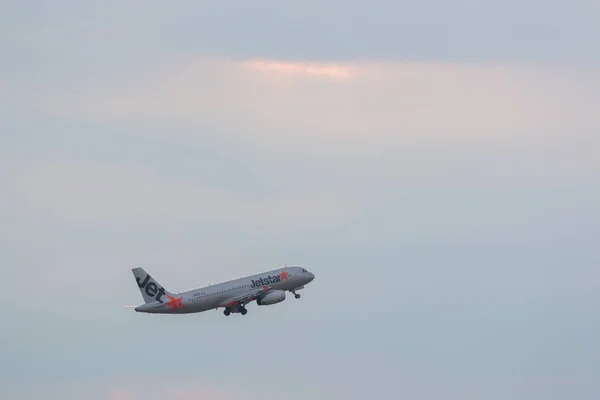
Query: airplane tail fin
{"x": 151, "y": 290}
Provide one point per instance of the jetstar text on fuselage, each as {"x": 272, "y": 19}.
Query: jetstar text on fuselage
{"x": 269, "y": 280}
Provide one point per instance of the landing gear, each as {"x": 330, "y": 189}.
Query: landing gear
{"x": 241, "y": 309}
{"x": 296, "y": 295}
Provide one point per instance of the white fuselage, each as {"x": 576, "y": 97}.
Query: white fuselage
{"x": 221, "y": 294}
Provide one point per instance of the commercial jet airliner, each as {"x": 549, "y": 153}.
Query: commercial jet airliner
{"x": 266, "y": 288}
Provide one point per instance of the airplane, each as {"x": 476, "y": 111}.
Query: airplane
{"x": 265, "y": 288}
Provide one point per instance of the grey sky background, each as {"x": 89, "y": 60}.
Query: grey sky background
{"x": 435, "y": 165}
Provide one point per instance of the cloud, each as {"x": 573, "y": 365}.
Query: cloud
{"x": 132, "y": 388}
{"x": 282, "y": 105}
{"x": 121, "y": 395}
{"x": 85, "y": 191}
{"x": 334, "y": 72}
{"x": 349, "y": 129}
{"x": 422, "y": 123}
{"x": 168, "y": 389}
{"x": 194, "y": 395}
{"x": 170, "y": 394}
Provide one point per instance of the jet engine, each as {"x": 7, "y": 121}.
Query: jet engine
{"x": 274, "y": 297}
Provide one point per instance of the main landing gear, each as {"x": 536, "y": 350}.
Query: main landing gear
{"x": 241, "y": 309}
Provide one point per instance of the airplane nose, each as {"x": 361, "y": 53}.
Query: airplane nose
{"x": 311, "y": 276}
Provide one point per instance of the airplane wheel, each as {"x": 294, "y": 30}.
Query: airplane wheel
{"x": 227, "y": 312}
{"x": 243, "y": 311}
{"x": 297, "y": 296}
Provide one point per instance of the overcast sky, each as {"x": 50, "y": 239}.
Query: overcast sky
{"x": 437, "y": 166}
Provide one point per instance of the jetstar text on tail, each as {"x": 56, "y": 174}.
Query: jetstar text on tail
{"x": 151, "y": 289}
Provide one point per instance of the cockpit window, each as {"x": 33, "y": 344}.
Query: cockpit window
{"x": 303, "y": 270}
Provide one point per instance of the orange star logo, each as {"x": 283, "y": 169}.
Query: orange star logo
{"x": 175, "y": 302}
{"x": 284, "y": 275}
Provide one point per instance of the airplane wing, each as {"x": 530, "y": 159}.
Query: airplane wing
{"x": 245, "y": 298}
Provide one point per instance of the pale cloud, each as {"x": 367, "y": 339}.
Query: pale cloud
{"x": 121, "y": 395}
{"x": 195, "y": 395}
{"x": 280, "y": 106}
{"x": 175, "y": 389}
{"x": 132, "y": 388}
{"x": 334, "y": 72}
{"x": 357, "y": 124}
{"x": 90, "y": 192}
{"x": 386, "y": 122}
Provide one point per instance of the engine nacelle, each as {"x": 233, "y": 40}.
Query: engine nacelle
{"x": 274, "y": 297}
